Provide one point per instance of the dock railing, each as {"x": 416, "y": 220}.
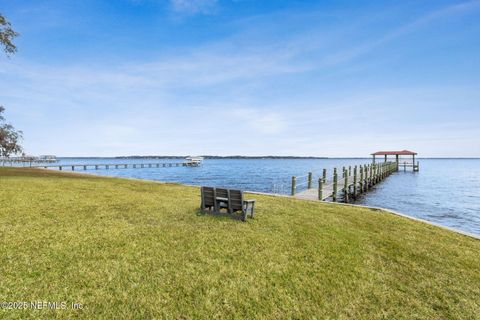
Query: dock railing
{"x": 350, "y": 183}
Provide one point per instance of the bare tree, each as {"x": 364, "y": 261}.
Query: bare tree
{"x": 7, "y": 34}
{"x": 9, "y": 137}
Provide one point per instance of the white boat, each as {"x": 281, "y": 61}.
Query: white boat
{"x": 193, "y": 161}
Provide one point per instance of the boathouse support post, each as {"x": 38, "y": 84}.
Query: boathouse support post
{"x": 309, "y": 186}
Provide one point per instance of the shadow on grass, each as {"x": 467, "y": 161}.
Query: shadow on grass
{"x": 221, "y": 215}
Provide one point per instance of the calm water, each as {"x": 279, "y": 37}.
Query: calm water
{"x": 445, "y": 191}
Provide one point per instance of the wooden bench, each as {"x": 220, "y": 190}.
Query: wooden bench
{"x": 215, "y": 199}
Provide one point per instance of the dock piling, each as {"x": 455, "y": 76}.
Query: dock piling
{"x": 294, "y": 182}
{"x": 320, "y": 189}
{"x": 335, "y": 187}
{"x": 345, "y": 186}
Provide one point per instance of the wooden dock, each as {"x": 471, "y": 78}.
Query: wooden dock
{"x": 346, "y": 185}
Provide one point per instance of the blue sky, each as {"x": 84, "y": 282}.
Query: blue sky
{"x": 311, "y": 78}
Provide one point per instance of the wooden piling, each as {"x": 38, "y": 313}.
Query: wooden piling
{"x": 345, "y": 186}
{"x": 324, "y": 175}
{"x": 355, "y": 182}
{"x": 294, "y": 185}
{"x": 320, "y": 189}
{"x": 335, "y": 187}
{"x": 309, "y": 180}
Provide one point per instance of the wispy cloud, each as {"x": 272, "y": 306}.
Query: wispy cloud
{"x": 191, "y": 7}
{"x": 261, "y": 121}
{"x": 410, "y": 27}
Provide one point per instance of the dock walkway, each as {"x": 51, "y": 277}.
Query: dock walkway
{"x": 349, "y": 185}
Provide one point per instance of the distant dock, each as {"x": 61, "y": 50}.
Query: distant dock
{"x": 188, "y": 162}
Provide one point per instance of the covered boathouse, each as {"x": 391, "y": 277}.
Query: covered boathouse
{"x": 400, "y": 162}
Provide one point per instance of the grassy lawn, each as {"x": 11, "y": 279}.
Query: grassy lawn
{"x": 133, "y": 249}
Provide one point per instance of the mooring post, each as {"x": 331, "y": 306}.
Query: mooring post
{"x": 372, "y": 176}
{"x": 364, "y": 186}
{"x": 84, "y": 167}
{"x": 335, "y": 187}
{"x": 360, "y": 186}
{"x": 349, "y": 170}
{"x": 73, "y": 168}
{"x": 294, "y": 182}
{"x": 320, "y": 189}
{"x": 324, "y": 175}
{"x": 355, "y": 182}
{"x": 368, "y": 176}
{"x": 309, "y": 180}
{"x": 345, "y": 186}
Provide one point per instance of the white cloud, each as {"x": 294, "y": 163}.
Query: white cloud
{"x": 261, "y": 121}
{"x": 194, "y": 6}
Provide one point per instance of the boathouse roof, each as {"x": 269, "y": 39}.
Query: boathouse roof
{"x": 393, "y": 153}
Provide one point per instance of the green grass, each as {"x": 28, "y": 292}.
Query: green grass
{"x": 133, "y": 249}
